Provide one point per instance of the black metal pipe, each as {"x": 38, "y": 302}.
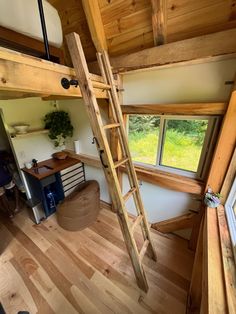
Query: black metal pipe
{"x": 44, "y": 29}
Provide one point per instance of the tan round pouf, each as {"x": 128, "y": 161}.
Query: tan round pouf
{"x": 80, "y": 209}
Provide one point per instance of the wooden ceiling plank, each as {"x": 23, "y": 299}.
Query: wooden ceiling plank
{"x": 94, "y": 19}
{"x": 202, "y": 47}
{"x": 159, "y": 21}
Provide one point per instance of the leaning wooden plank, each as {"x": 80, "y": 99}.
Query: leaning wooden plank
{"x": 195, "y": 289}
{"x": 228, "y": 260}
{"x": 229, "y": 178}
{"x": 202, "y": 47}
{"x": 215, "y": 288}
{"x": 27, "y": 74}
{"x": 225, "y": 147}
{"x": 177, "y": 223}
{"x": 218, "y": 108}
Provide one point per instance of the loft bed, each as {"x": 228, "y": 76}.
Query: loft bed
{"x": 25, "y": 44}
{"x": 26, "y": 26}
{"x": 39, "y": 35}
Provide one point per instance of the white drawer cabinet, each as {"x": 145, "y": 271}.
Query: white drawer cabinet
{"x": 71, "y": 177}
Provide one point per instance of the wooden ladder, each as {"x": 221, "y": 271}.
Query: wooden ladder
{"x": 109, "y": 165}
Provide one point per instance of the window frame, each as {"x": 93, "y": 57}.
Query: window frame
{"x": 207, "y": 147}
{"x": 231, "y": 216}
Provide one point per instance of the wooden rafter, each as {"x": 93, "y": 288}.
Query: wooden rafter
{"x": 94, "y": 19}
{"x": 23, "y": 75}
{"x": 201, "y": 48}
{"x": 159, "y": 21}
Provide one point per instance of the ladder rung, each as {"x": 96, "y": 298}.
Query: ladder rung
{"x": 111, "y": 126}
{"x": 129, "y": 193}
{"x": 101, "y": 85}
{"x": 121, "y": 162}
{"x": 143, "y": 249}
{"x": 136, "y": 223}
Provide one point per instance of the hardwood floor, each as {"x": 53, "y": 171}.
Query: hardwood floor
{"x": 45, "y": 269}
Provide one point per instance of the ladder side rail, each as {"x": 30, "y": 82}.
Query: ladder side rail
{"x": 92, "y": 108}
{"x": 137, "y": 195}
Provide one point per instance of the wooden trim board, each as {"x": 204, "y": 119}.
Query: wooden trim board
{"x": 217, "y": 108}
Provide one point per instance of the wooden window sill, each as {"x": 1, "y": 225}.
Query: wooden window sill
{"x": 169, "y": 180}
{"x": 164, "y": 179}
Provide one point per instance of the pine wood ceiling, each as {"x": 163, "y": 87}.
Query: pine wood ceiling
{"x": 128, "y": 23}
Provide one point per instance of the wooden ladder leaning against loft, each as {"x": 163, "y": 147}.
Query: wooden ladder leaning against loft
{"x": 109, "y": 165}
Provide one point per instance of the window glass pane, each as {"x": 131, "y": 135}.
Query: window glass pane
{"x": 183, "y": 143}
{"x": 143, "y": 138}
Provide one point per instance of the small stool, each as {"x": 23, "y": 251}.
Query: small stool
{"x": 81, "y": 208}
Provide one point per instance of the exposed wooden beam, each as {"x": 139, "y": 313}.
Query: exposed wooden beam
{"x": 220, "y": 45}
{"x": 159, "y": 21}
{"x": 29, "y": 75}
{"x": 94, "y": 19}
{"x": 225, "y": 147}
{"x": 177, "y": 109}
{"x": 177, "y": 223}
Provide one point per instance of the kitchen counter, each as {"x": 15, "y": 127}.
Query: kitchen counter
{"x": 50, "y": 166}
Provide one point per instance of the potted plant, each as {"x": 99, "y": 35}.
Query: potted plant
{"x": 212, "y": 199}
{"x": 59, "y": 125}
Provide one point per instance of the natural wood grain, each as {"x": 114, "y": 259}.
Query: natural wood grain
{"x": 227, "y": 260}
{"x": 195, "y": 290}
{"x": 94, "y": 20}
{"x": 177, "y": 223}
{"x": 41, "y": 77}
{"x": 177, "y": 109}
{"x": 229, "y": 178}
{"x": 202, "y": 47}
{"x": 159, "y": 21}
{"x": 224, "y": 148}
{"x": 214, "y": 276}
{"x": 168, "y": 180}
{"x": 99, "y": 278}
{"x": 55, "y": 165}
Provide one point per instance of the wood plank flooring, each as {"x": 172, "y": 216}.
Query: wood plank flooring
{"x": 45, "y": 269}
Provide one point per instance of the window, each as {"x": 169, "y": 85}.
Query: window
{"x": 172, "y": 143}
{"x": 230, "y": 208}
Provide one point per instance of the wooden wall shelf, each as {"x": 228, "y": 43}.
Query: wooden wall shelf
{"x": 29, "y": 133}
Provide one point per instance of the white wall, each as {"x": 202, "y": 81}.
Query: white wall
{"x": 193, "y": 83}
{"x": 31, "y": 111}
{"x": 83, "y": 133}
